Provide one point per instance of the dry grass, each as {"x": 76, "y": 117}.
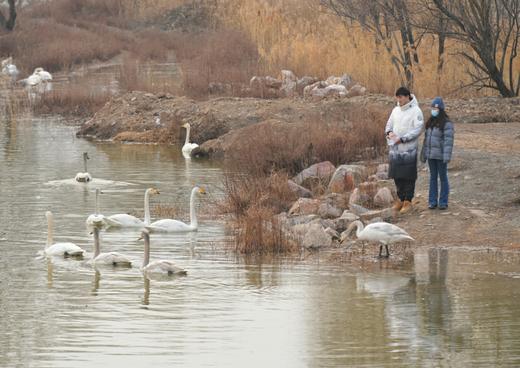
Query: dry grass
{"x": 80, "y": 100}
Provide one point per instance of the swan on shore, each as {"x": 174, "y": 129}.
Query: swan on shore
{"x": 188, "y": 147}
{"x": 160, "y": 266}
{"x": 65, "y": 249}
{"x": 9, "y": 69}
{"x": 108, "y": 259}
{"x": 84, "y": 177}
{"x": 96, "y": 219}
{"x": 44, "y": 75}
{"x": 381, "y": 232}
{"x": 125, "y": 220}
{"x": 169, "y": 225}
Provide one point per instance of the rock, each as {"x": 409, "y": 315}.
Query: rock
{"x": 345, "y": 80}
{"x": 332, "y": 233}
{"x": 304, "y": 206}
{"x": 335, "y": 90}
{"x": 341, "y": 223}
{"x": 328, "y": 211}
{"x": 346, "y": 178}
{"x": 289, "y": 80}
{"x": 299, "y": 190}
{"x": 312, "y": 235}
{"x": 368, "y": 189}
{"x": 356, "y": 90}
{"x": 374, "y": 220}
{"x": 383, "y": 197}
{"x": 358, "y": 198}
{"x": 358, "y": 210}
{"x": 216, "y": 88}
{"x": 382, "y": 171}
{"x": 313, "y": 89}
{"x": 317, "y": 173}
{"x": 265, "y": 87}
{"x": 304, "y": 82}
{"x": 337, "y": 200}
{"x": 385, "y": 214}
{"x": 273, "y": 82}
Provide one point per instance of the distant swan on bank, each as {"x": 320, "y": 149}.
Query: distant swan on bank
{"x": 381, "y": 232}
{"x": 110, "y": 258}
{"x": 125, "y": 220}
{"x": 84, "y": 177}
{"x": 188, "y": 147}
{"x": 160, "y": 266}
{"x": 96, "y": 219}
{"x": 59, "y": 249}
{"x": 44, "y": 75}
{"x": 9, "y": 69}
{"x": 169, "y": 225}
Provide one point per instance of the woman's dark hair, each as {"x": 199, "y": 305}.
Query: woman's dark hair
{"x": 438, "y": 121}
{"x": 403, "y": 91}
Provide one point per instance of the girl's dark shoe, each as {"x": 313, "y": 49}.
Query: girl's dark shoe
{"x": 443, "y": 207}
{"x": 432, "y": 206}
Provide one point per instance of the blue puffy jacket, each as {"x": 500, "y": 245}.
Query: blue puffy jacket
{"x": 438, "y": 144}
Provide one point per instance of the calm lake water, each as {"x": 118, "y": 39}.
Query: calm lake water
{"x": 448, "y": 308}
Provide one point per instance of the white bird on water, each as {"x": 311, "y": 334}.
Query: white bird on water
{"x": 108, "y": 259}
{"x": 381, "y": 232}
{"x": 59, "y": 249}
{"x": 96, "y": 219}
{"x": 160, "y": 266}
{"x": 125, "y": 220}
{"x": 188, "y": 147}
{"x": 169, "y": 225}
{"x": 84, "y": 177}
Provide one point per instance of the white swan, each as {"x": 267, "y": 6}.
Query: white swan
{"x": 110, "y": 258}
{"x": 96, "y": 219}
{"x": 188, "y": 147}
{"x": 59, "y": 249}
{"x": 125, "y": 220}
{"x": 381, "y": 232}
{"x": 9, "y": 69}
{"x": 44, "y": 75}
{"x": 160, "y": 266}
{"x": 84, "y": 177}
{"x": 169, "y": 225}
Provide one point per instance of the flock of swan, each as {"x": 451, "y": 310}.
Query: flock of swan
{"x": 39, "y": 78}
{"x": 98, "y": 221}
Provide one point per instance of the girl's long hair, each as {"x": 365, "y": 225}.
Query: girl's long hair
{"x": 439, "y": 121}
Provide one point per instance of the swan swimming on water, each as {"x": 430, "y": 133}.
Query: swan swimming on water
{"x": 96, "y": 219}
{"x": 110, "y": 258}
{"x": 381, "y": 232}
{"x": 169, "y": 225}
{"x": 84, "y": 177}
{"x": 188, "y": 147}
{"x": 159, "y": 266}
{"x": 59, "y": 249}
{"x": 125, "y": 220}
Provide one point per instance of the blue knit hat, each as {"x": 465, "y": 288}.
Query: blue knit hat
{"x": 438, "y": 103}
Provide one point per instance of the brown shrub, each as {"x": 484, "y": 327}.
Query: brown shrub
{"x": 79, "y": 100}
{"x": 220, "y": 56}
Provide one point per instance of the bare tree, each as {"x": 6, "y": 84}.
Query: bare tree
{"x": 491, "y": 29}
{"x": 390, "y": 22}
{"x": 8, "y": 23}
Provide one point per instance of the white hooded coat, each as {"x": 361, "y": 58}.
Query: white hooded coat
{"x": 407, "y": 123}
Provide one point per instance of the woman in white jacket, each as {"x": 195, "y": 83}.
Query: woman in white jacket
{"x": 402, "y": 131}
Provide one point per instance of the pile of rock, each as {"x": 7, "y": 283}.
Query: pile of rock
{"x": 289, "y": 85}
{"x": 352, "y": 194}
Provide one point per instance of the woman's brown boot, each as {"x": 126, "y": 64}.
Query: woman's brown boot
{"x": 397, "y": 205}
{"x": 407, "y": 207}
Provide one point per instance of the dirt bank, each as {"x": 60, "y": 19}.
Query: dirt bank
{"x": 134, "y": 116}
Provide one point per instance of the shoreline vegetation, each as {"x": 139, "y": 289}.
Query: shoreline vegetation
{"x": 270, "y": 130}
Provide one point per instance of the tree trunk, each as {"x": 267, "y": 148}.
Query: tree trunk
{"x": 8, "y": 24}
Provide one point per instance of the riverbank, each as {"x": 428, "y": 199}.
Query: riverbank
{"x": 485, "y": 173}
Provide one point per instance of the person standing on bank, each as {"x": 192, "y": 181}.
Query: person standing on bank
{"x": 402, "y": 131}
{"x": 437, "y": 149}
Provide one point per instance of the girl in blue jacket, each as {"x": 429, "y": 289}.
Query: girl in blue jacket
{"x": 438, "y": 146}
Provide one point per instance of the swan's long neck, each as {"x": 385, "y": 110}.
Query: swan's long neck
{"x": 146, "y": 258}
{"x": 97, "y": 202}
{"x": 50, "y": 229}
{"x": 359, "y": 227}
{"x": 147, "y": 219}
{"x": 193, "y": 214}
{"x": 85, "y": 163}
{"x": 187, "y": 135}
{"x": 96, "y": 242}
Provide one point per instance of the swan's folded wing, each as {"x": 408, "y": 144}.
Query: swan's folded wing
{"x": 123, "y": 219}
{"x": 388, "y": 229}
{"x": 113, "y": 258}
